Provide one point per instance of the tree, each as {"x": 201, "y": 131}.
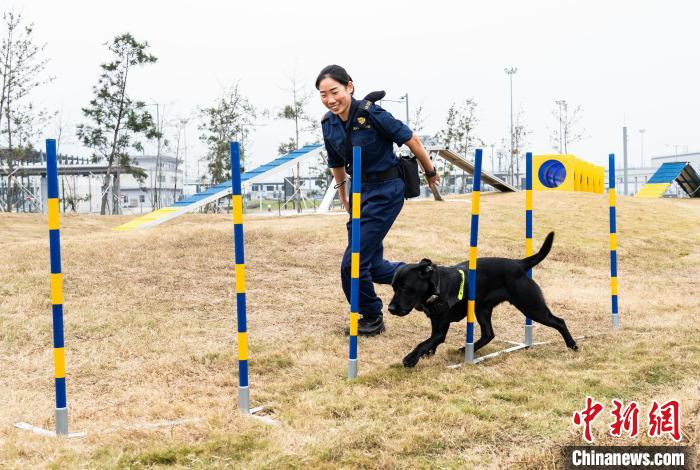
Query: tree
{"x": 520, "y": 133}
{"x": 115, "y": 120}
{"x": 303, "y": 123}
{"x": 228, "y": 120}
{"x": 22, "y": 69}
{"x": 567, "y": 131}
{"x": 458, "y": 134}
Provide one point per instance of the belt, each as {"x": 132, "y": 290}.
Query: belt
{"x": 380, "y": 176}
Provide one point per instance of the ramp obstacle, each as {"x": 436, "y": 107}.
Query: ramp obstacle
{"x": 682, "y": 173}
{"x": 221, "y": 190}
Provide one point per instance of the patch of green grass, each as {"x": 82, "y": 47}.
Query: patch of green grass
{"x": 512, "y": 397}
{"x": 220, "y": 451}
{"x": 656, "y": 374}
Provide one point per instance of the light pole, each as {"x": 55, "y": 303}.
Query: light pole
{"x": 562, "y": 105}
{"x": 511, "y": 71}
{"x": 641, "y": 136}
{"x": 402, "y": 99}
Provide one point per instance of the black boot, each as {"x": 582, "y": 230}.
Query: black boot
{"x": 368, "y": 326}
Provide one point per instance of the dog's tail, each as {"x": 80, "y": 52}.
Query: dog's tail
{"x": 532, "y": 261}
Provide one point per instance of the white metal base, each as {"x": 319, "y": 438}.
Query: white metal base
{"x": 469, "y": 353}
{"x": 46, "y": 432}
{"x": 528, "y": 335}
{"x": 352, "y": 369}
{"x": 616, "y": 321}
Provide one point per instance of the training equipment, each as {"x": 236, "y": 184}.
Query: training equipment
{"x": 566, "y": 173}
{"x": 462, "y": 163}
{"x": 355, "y": 260}
{"x": 613, "y": 240}
{"x": 473, "y": 242}
{"x": 241, "y": 320}
{"x": 681, "y": 172}
{"x": 59, "y": 358}
{"x": 215, "y": 193}
{"x": 528, "y": 233}
{"x": 237, "y": 202}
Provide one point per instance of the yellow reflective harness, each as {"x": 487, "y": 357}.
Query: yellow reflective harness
{"x": 461, "y": 286}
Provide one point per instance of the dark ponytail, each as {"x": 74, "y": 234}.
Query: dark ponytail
{"x": 336, "y": 72}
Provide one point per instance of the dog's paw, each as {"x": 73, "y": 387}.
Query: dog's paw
{"x": 574, "y": 347}
{"x": 461, "y": 350}
{"x": 430, "y": 352}
{"x": 410, "y": 361}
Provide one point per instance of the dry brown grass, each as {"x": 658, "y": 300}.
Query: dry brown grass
{"x": 150, "y": 336}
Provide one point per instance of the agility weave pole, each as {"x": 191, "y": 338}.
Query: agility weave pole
{"x": 241, "y": 320}
{"x": 528, "y": 233}
{"x": 473, "y": 242}
{"x": 59, "y": 357}
{"x": 355, "y": 259}
{"x": 613, "y": 240}
{"x": 239, "y": 253}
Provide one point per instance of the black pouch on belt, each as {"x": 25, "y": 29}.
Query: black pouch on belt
{"x": 411, "y": 179}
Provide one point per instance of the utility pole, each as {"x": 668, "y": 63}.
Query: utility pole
{"x": 641, "y": 136}
{"x": 511, "y": 71}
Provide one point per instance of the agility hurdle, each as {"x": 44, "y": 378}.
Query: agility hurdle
{"x": 613, "y": 239}
{"x": 355, "y": 260}
{"x": 59, "y": 357}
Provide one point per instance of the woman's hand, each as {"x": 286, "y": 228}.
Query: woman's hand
{"x": 433, "y": 180}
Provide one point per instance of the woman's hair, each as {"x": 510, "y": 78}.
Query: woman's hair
{"x": 336, "y": 72}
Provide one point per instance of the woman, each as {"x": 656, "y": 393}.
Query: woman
{"x": 382, "y": 185}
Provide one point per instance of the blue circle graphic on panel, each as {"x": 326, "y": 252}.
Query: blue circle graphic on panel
{"x": 552, "y": 173}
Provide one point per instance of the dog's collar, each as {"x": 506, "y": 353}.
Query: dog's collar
{"x": 436, "y": 295}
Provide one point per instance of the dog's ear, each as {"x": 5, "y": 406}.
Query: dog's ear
{"x": 426, "y": 268}
{"x": 430, "y": 272}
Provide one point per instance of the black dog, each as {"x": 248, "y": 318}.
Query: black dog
{"x": 441, "y": 292}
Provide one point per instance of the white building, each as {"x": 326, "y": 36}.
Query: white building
{"x": 163, "y": 184}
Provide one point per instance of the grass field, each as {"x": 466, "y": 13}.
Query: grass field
{"x": 150, "y": 337}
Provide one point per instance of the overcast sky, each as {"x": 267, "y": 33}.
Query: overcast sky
{"x": 631, "y": 63}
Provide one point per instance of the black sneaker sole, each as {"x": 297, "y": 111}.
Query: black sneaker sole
{"x": 374, "y": 333}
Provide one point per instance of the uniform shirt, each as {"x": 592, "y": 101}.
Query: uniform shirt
{"x": 375, "y": 132}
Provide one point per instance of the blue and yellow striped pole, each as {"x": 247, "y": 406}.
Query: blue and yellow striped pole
{"x": 355, "y": 259}
{"x": 613, "y": 240}
{"x": 528, "y": 233}
{"x": 237, "y": 200}
{"x": 59, "y": 358}
{"x": 474, "y": 237}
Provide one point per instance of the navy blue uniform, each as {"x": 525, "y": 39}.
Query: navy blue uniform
{"x": 374, "y": 131}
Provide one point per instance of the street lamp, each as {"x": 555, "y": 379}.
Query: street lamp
{"x": 511, "y": 71}
{"x": 641, "y": 135}
{"x": 402, "y": 99}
